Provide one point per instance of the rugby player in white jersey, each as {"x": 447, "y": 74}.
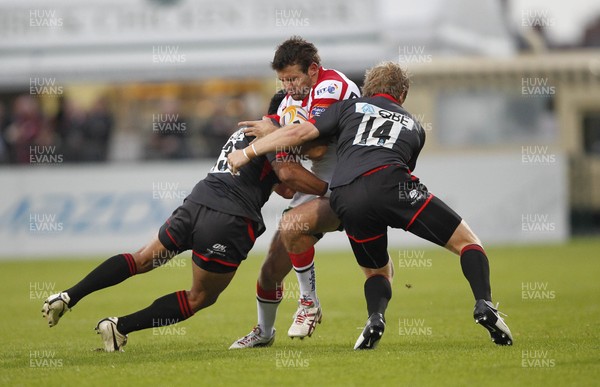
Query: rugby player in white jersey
{"x": 313, "y": 88}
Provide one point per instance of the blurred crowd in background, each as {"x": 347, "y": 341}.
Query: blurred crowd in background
{"x": 163, "y": 132}
{"x": 77, "y": 134}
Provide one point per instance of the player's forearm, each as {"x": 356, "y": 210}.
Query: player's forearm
{"x": 296, "y": 177}
{"x": 284, "y": 138}
{"x": 295, "y": 135}
{"x": 280, "y": 139}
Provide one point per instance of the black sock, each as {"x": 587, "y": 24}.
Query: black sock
{"x": 167, "y": 310}
{"x": 378, "y": 291}
{"x": 110, "y": 272}
{"x": 476, "y": 268}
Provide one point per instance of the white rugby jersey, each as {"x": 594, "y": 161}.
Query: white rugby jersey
{"x": 331, "y": 86}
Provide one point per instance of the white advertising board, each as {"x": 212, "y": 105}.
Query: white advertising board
{"x": 85, "y": 211}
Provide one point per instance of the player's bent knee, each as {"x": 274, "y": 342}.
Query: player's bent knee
{"x": 387, "y": 271}
{"x": 289, "y": 236}
{"x": 462, "y": 237}
{"x": 151, "y": 255}
{"x": 300, "y": 243}
{"x": 143, "y": 261}
{"x": 201, "y": 300}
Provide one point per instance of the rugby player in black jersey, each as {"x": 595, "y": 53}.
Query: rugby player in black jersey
{"x": 219, "y": 221}
{"x": 378, "y": 143}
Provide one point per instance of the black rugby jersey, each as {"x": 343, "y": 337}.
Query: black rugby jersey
{"x": 241, "y": 195}
{"x": 371, "y": 132}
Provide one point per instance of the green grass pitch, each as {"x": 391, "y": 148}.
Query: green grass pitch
{"x": 550, "y": 293}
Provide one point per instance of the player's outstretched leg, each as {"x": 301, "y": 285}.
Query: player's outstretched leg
{"x": 109, "y": 273}
{"x": 476, "y": 269}
{"x": 301, "y": 228}
{"x": 439, "y": 224}
{"x": 167, "y": 310}
{"x": 269, "y": 292}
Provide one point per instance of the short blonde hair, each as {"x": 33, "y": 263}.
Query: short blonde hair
{"x": 388, "y": 78}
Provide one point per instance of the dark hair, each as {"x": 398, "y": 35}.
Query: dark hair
{"x": 295, "y": 51}
{"x": 276, "y": 101}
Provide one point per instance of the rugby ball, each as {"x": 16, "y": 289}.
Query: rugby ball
{"x": 293, "y": 115}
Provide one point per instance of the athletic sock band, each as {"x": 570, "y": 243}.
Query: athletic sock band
{"x": 303, "y": 261}
{"x": 269, "y": 296}
{"x": 130, "y": 263}
{"x": 472, "y": 247}
{"x": 184, "y": 304}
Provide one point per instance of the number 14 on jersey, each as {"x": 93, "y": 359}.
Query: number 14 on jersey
{"x": 380, "y": 127}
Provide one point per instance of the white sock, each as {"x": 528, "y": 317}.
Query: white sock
{"x": 307, "y": 281}
{"x": 267, "y": 311}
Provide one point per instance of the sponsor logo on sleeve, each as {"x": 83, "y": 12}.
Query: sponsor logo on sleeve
{"x": 317, "y": 110}
{"x": 329, "y": 89}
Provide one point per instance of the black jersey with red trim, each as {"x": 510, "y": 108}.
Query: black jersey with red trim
{"x": 243, "y": 194}
{"x": 370, "y": 132}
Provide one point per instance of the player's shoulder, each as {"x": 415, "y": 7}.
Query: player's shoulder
{"x": 333, "y": 84}
{"x": 332, "y": 75}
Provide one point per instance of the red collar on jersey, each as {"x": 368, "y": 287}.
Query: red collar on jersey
{"x": 312, "y": 88}
{"x": 384, "y": 95}
{"x": 320, "y": 74}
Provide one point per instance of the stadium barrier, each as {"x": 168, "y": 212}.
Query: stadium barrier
{"x": 84, "y": 211}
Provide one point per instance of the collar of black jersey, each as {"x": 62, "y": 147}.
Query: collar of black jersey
{"x": 384, "y": 95}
